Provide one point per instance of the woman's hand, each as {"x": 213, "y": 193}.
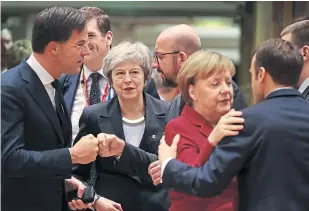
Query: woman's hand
{"x": 229, "y": 125}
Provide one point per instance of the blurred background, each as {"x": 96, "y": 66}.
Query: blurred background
{"x": 230, "y": 28}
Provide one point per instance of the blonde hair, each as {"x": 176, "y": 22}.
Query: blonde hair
{"x": 201, "y": 64}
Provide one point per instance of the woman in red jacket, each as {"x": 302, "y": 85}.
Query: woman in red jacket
{"x": 205, "y": 81}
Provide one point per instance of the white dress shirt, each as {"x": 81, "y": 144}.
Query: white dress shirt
{"x": 304, "y": 85}
{"x": 80, "y": 100}
{"x": 44, "y": 77}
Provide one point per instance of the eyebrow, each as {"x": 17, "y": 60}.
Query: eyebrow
{"x": 125, "y": 70}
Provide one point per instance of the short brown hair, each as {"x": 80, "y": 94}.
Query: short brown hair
{"x": 281, "y": 59}
{"x": 299, "y": 33}
{"x": 102, "y": 18}
{"x": 201, "y": 64}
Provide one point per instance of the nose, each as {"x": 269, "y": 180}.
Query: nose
{"x": 127, "y": 78}
{"x": 154, "y": 63}
{"x": 226, "y": 88}
{"x": 85, "y": 51}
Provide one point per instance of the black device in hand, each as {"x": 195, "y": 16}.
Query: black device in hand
{"x": 88, "y": 196}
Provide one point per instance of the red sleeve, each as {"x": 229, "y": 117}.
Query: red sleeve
{"x": 187, "y": 150}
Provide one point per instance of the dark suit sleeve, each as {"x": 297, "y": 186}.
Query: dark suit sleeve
{"x": 17, "y": 161}
{"x": 209, "y": 180}
{"x": 82, "y": 171}
{"x": 136, "y": 161}
{"x": 239, "y": 99}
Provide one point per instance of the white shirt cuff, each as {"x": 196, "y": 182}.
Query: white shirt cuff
{"x": 163, "y": 165}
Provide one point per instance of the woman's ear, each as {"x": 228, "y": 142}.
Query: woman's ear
{"x": 192, "y": 92}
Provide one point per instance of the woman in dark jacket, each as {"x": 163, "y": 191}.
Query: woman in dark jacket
{"x": 134, "y": 117}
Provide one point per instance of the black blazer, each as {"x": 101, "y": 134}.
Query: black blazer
{"x": 270, "y": 157}
{"x": 34, "y": 157}
{"x": 132, "y": 191}
{"x": 178, "y": 102}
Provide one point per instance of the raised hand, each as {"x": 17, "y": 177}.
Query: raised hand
{"x": 229, "y": 125}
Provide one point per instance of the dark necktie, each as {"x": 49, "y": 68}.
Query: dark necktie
{"x": 95, "y": 91}
{"x": 59, "y": 108}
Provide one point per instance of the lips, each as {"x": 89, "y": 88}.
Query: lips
{"x": 128, "y": 88}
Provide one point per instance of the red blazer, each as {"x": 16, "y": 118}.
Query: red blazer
{"x": 194, "y": 149}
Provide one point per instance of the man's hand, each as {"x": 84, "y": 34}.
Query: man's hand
{"x": 85, "y": 150}
{"x": 104, "y": 204}
{"x": 228, "y": 125}
{"x": 74, "y": 183}
{"x": 110, "y": 145}
{"x": 166, "y": 151}
{"x": 154, "y": 170}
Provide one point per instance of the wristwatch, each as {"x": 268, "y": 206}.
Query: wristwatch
{"x": 96, "y": 197}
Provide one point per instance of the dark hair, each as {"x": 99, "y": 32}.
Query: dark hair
{"x": 302, "y": 18}
{"x": 281, "y": 59}
{"x": 102, "y": 18}
{"x": 299, "y": 33}
{"x": 19, "y": 50}
{"x": 55, "y": 23}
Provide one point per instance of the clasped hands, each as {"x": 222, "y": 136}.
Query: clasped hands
{"x": 89, "y": 146}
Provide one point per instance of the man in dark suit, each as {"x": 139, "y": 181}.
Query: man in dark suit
{"x": 270, "y": 155}
{"x": 173, "y": 46}
{"x": 36, "y": 157}
{"x": 298, "y": 34}
{"x": 78, "y": 89}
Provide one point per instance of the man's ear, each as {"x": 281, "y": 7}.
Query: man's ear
{"x": 52, "y": 48}
{"x": 109, "y": 38}
{"x": 305, "y": 52}
{"x": 183, "y": 57}
{"x": 261, "y": 74}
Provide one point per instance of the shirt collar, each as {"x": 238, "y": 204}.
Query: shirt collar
{"x": 43, "y": 75}
{"x": 88, "y": 72}
{"x": 304, "y": 85}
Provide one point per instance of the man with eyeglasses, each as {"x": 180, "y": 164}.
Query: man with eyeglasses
{"x": 173, "y": 46}
{"x": 37, "y": 156}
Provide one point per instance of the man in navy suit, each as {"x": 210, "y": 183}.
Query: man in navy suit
{"x": 36, "y": 158}
{"x": 270, "y": 155}
{"x": 77, "y": 89}
{"x": 298, "y": 34}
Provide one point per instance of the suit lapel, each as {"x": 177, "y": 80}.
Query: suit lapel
{"x": 110, "y": 119}
{"x": 72, "y": 84}
{"x": 155, "y": 121}
{"x": 40, "y": 96}
{"x": 197, "y": 120}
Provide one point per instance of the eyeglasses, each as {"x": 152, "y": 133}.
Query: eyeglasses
{"x": 158, "y": 55}
{"x": 80, "y": 46}
{"x": 133, "y": 74}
